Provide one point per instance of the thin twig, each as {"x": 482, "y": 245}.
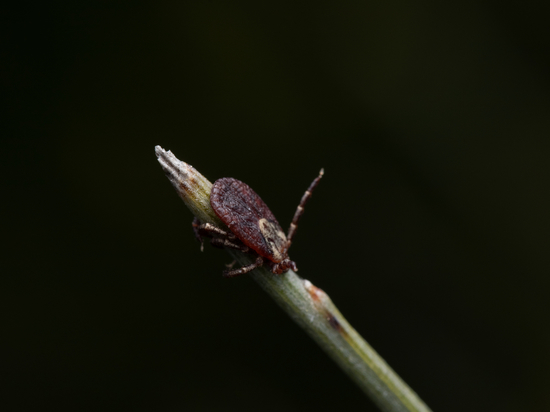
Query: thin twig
{"x": 308, "y": 305}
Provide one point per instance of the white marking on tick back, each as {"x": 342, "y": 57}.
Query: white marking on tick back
{"x": 275, "y": 238}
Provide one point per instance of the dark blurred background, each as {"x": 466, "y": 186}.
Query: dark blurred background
{"x": 430, "y": 230}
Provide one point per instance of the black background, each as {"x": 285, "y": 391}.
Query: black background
{"x": 430, "y": 230}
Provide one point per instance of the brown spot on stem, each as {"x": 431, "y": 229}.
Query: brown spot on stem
{"x": 336, "y": 325}
{"x": 317, "y": 294}
{"x": 334, "y": 322}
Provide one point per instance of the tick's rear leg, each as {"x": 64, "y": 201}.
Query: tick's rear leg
{"x": 300, "y": 209}
{"x": 244, "y": 269}
{"x": 221, "y": 243}
{"x": 209, "y": 230}
{"x": 196, "y": 224}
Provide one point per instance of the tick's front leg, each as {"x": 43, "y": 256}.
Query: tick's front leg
{"x": 244, "y": 269}
{"x": 300, "y": 209}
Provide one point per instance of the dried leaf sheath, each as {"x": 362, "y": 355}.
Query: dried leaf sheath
{"x": 193, "y": 188}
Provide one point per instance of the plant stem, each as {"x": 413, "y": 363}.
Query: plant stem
{"x": 308, "y": 305}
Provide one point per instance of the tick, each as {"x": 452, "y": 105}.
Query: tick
{"x": 252, "y": 226}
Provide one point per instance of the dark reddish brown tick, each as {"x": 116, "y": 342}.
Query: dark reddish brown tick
{"x": 253, "y": 228}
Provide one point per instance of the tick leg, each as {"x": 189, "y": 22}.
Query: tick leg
{"x": 196, "y": 224}
{"x": 218, "y": 242}
{"x": 244, "y": 269}
{"x": 207, "y": 229}
{"x": 300, "y": 209}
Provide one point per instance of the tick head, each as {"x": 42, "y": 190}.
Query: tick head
{"x": 284, "y": 266}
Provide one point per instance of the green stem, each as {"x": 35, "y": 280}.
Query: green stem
{"x": 308, "y": 305}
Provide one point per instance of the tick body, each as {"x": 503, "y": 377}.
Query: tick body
{"x": 253, "y": 227}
